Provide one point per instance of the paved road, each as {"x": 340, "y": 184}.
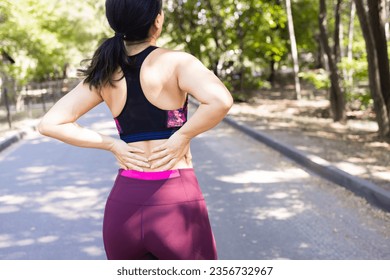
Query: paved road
{"x": 262, "y": 206}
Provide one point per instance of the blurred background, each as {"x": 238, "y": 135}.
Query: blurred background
{"x": 290, "y": 49}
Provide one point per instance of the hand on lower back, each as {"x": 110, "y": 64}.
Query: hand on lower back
{"x": 129, "y": 157}
{"x": 167, "y": 155}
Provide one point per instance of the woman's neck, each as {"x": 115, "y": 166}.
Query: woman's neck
{"x": 133, "y": 48}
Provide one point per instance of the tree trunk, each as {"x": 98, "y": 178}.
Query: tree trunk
{"x": 240, "y": 33}
{"x": 337, "y": 32}
{"x": 7, "y": 106}
{"x": 294, "y": 51}
{"x": 322, "y": 58}
{"x": 337, "y": 100}
{"x": 377, "y": 18}
{"x": 387, "y": 17}
{"x": 373, "y": 72}
{"x": 271, "y": 77}
{"x": 350, "y": 42}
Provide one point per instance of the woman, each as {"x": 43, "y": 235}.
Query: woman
{"x": 155, "y": 209}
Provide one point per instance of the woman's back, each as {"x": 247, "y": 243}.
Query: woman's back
{"x": 164, "y": 80}
{"x": 158, "y": 79}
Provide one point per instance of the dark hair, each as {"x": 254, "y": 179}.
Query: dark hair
{"x": 131, "y": 21}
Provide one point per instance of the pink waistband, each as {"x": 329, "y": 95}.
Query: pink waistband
{"x": 155, "y": 175}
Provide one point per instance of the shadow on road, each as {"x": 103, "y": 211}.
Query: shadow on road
{"x": 52, "y": 197}
{"x": 262, "y": 206}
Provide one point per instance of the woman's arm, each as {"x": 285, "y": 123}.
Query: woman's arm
{"x": 60, "y": 123}
{"x": 215, "y": 102}
{"x": 215, "y": 99}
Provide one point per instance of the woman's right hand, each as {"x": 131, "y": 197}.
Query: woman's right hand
{"x": 128, "y": 156}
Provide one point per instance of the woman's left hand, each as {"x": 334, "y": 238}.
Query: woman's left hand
{"x": 167, "y": 155}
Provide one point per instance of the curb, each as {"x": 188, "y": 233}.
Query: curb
{"x": 15, "y": 137}
{"x": 371, "y": 192}
{"x": 8, "y": 141}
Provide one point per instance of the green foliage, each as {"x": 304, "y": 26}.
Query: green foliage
{"x": 319, "y": 78}
{"x": 237, "y": 39}
{"x": 305, "y": 14}
{"x": 232, "y": 37}
{"x": 43, "y": 35}
{"x": 359, "y": 99}
{"x": 359, "y": 68}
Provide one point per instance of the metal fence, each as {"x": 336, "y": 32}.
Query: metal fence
{"x": 31, "y": 100}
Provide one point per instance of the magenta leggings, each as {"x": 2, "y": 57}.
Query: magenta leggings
{"x": 157, "y": 215}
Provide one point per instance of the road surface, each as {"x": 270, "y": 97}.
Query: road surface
{"x": 261, "y": 205}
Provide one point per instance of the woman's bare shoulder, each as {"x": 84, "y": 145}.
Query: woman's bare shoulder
{"x": 176, "y": 57}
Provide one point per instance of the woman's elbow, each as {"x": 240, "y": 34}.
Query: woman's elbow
{"x": 43, "y": 127}
{"x": 230, "y": 102}
{"x": 221, "y": 104}
{"x": 226, "y": 103}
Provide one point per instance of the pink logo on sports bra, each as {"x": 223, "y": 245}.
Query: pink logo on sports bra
{"x": 176, "y": 118}
{"x": 118, "y": 126}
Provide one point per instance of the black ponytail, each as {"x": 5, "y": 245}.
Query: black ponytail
{"x": 106, "y": 60}
{"x": 131, "y": 20}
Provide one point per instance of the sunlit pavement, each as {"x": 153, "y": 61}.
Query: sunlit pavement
{"x": 261, "y": 205}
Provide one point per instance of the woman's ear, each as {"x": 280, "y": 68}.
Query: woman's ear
{"x": 156, "y": 28}
{"x": 159, "y": 21}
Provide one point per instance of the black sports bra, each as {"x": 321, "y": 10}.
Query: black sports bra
{"x": 140, "y": 120}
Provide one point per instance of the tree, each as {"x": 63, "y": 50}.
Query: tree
{"x": 294, "y": 52}
{"x": 387, "y": 18}
{"x": 237, "y": 39}
{"x": 43, "y": 36}
{"x": 368, "y": 24}
{"x": 377, "y": 15}
{"x": 349, "y": 76}
{"x": 337, "y": 99}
